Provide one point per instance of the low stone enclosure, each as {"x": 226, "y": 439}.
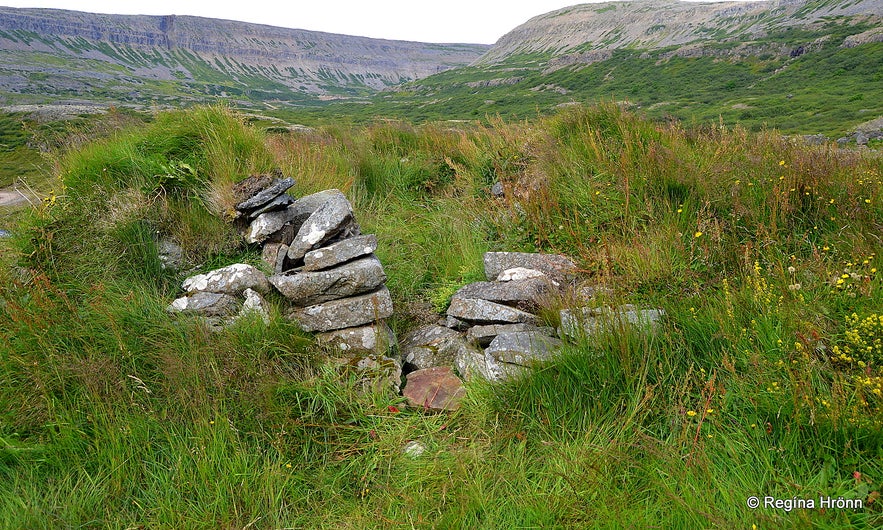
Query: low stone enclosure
{"x": 335, "y": 287}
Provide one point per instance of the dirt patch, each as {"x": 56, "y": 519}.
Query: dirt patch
{"x": 13, "y": 197}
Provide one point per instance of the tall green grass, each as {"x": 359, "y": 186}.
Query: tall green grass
{"x": 758, "y": 382}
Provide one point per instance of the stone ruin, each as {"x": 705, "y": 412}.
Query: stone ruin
{"x": 326, "y": 268}
{"x": 321, "y": 263}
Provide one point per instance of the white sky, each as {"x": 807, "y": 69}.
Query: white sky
{"x": 473, "y": 21}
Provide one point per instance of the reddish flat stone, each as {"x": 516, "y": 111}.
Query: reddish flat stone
{"x": 434, "y": 388}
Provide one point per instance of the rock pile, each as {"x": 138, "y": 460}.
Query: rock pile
{"x": 320, "y": 261}
{"x": 491, "y": 329}
{"x": 224, "y": 295}
{"x": 326, "y": 268}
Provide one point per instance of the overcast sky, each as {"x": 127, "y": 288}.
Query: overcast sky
{"x": 475, "y": 21}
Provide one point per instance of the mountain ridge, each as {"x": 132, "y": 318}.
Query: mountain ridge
{"x": 208, "y": 56}
{"x": 654, "y": 24}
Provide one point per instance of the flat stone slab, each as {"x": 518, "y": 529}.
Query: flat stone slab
{"x": 512, "y": 292}
{"x": 232, "y": 279}
{"x": 555, "y": 266}
{"x": 340, "y": 252}
{"x": 274, "y": 189}
{"x": 345, "y": 313}
{"x": 306, "y": 205}
{"x": 206, "y": 304}
{"x": 280, "y": 202}
{"x": 434, "y": 389}
{"x": 251, "y": 186}
{"x": 484, "y": 335}
{"x": 349, "y": 279}
{"x": 485, "y": 312}
{"x": 522, "y": 347}
{"x": 377, "y": 338}
{"x": 269, "y": 223}
{"x": 331, "y": 218}
{"x": 584, "y": 321}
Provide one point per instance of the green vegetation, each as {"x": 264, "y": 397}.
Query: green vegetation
{"x": 765, "y": 378}
{"x": 19, "y": 161}
{"x": 828, "y": 89}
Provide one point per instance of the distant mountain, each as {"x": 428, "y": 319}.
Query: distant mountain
{"x": 577, "y": 34}
{"x": 809, "y": 66}
{"x": 46, "y": 55}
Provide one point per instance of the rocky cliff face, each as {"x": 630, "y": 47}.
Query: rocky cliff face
{"x": 77, "y": 53}
{"x": 654, "y": 24}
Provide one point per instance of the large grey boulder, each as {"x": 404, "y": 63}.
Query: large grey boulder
{"x": 345, "y": 313}
{"x": 555, "y": 266}
{"x": 340, "y": 252}
{"x": 484, "y": 312}
{"x": 484, "y": 335}
{"x": 232, "y": 279}
{"x": 269, "y": 223}
{"x": 528, "y": 291}
{"x": 434, "y": 389}
{"x": 309, "y": 288}
{"x": 329, "y": 220}
{"x": 276, "y": 188}
{"x": 377, "y": 338}
{"x": 522, "y": 347}
{"x": 206, "y": 304}
{"x": 582, "y": 322}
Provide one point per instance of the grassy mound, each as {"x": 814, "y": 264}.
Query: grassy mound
{"x": 765, "y": 379}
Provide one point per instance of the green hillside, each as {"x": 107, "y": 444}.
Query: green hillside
{"x": 829, "y": 89}
{"x": 765, "y": 378}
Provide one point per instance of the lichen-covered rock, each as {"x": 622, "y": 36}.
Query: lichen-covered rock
{"x": 520, "y": 273}
{"x": 430, "y": 346}
{"x": 306, "y": 205}
{"x": 206, "y": 304}
{"x": 434, "y": 389}
{"x": 583, "y": 322}
{"x": 310, "y": 288}
{"x": 232, "y": 279}
{"x": 267, "y": 224}
{"x": 255, "y": 305}
{"x": 345, "y": 313}
{"x": 483, "y": 335}
{"x": 377, "y": 338}
{"x": 555, "y": 266}
{"x": 340, "y": 252}
{"x": 471, "y": 362}
{"x": 522, "y": 347}
{"x": 485, "y": 312}
{"x": 527, "y": 291}
{"x": 331, "y": 218}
